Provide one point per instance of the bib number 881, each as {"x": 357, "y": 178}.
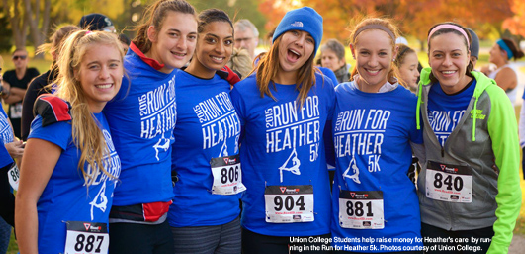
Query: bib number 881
{"x": 87, "y": 244}
{"x": 356, "y": 207}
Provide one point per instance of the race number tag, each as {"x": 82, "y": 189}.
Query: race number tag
{"x": 13, "y": 175}
{"x": 287, "y": 204}
{"x": 448, "y": 182}
{"x": 227, "y": 175}
{"x": 16, "y": 110}
{"x": 361, "y": 209}
{"x": 86, "y": 238}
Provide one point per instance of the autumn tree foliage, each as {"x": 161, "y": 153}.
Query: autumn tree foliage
{"x": 516, "y": 23}
{"x": 412, "y": 17}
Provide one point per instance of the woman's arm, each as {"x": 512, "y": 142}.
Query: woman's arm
{"x": 37, "y": 168}
{"x": 506, "y": 79}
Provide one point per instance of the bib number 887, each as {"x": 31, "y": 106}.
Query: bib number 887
{"x": 288, "y": 203}
{"x": 230, "y": 174}
{"x": 450, "y": 181}
{"x": 87, "y": 244}
{"x": 356, "y": 207}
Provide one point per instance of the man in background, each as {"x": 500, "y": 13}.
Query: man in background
{"x": 246, "y": 36}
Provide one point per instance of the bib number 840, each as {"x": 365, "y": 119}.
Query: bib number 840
{"x": 450, "y": 181}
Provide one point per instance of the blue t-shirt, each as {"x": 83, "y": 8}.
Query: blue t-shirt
{"x": 282, "y": 146}
{"x": 207, "y": 127}
{"x": 6, "y": 136}
{"x": 330, "y": 74}
{"x": 65, "y": 197}
{"x": 142, "y": 117}
{"x": 445, "y": 111}
{"x": 372, "y": 134}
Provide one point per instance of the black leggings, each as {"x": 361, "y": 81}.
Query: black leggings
{"x": 253, "y": 243}
{"x": 482, "y": 235}
{"x": 133, "y": 238}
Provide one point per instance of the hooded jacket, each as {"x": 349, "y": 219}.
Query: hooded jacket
{"x": 485, "y": 139}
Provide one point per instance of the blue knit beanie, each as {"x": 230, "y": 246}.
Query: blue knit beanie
{"x": 305, "y": 19}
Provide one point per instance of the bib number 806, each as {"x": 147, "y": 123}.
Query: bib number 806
{"x": 87, "y": 244}
{"x": 230, "y": 174}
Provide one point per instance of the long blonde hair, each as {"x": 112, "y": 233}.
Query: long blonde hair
{"x": 269, "y": 67}
{"x": 87, "y": 135}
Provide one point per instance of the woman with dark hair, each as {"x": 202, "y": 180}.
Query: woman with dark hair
{"x": 204, "y": 216}
{"x": 506, "y": 74}
{"x": 142, "y": 118}
{"x": 469, "y": 185}
{"x": 283, "y": 109}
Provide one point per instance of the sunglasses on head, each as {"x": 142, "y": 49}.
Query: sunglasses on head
{"x": 19, "y": 57}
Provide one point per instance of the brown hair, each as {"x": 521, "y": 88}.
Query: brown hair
{"x": 57, "y": 38}
{"x": 154, "y": 15}
{"x": 386, "y": 23}
{"x": 470, "y": 66}
{"x": 269, "y": 66}
{"x": 87, "y": 136}
{"x": 402, "y": 51}
{"x": 516, "y": 51}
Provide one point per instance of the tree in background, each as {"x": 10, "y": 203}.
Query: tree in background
{"x": 516, "y": 23}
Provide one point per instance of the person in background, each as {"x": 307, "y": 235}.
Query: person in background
{"x": 283, "y": 109}
{"x": 240, "y": 62}
{"x": 142, "y": 118}
{"x": 246, "y": 36}
{"x": 96, "y": 21}
{"x": 406, "y": 63}
{"x": 39, "y": 85}
{"x": 15, "y": 85}
{"x": 125, "y": 40}
{"x": 71, "y": 169}
{"x": 474, "y": 47}
{"x": 469, "y": 184}
{"x": 506, "y": 74}
{"x": 333, "y": 58}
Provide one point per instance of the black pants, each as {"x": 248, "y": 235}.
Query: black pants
{"x": 253, "y": 243}
{"x": 133, "y": 238}
{"x": 455, "y": 241}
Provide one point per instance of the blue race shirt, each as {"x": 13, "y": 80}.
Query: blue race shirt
{"x": 6, "y": 136}
{"x": 207, "y": 127}
{"x": 142, "y": 117}
{"x": 372, "y": 134}
{"x": 282, "y": 145}
{"x": 65, "y": 197}
{"x": 445, "y": 111}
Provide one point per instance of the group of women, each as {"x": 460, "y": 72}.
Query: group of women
{"x": 155, "y": 155}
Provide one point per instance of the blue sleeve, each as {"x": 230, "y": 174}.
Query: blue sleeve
{"x": 58, "y": 133}
{"x": 238, "y": 104}
{"x": 331, "y": 99}
{"x": 415, "y": 135}
{"x": 330, "y": 74}
{"x": 5, "y": 158}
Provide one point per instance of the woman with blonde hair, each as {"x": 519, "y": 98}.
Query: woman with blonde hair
{"x": 283, "y": 109}
{"x": 373, "y": 129}
{"x": 71, "y": 168}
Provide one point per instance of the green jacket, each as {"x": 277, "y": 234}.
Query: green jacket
{"x": 485, "y": 139}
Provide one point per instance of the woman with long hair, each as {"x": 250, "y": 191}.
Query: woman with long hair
{"x": 373, "y": 127}
{"x": 469, "y": 185}
{"x": 283, "y": 109}
{"x": 71, "y": 167}
{"x": 142, "y": 118}
{"x": 206, "y": 154}
{"x": 406, "y": 63}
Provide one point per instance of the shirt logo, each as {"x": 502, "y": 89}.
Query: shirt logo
{"x": 478, "y": 114}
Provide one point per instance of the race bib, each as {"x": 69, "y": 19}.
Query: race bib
{"x": 13, "y": 175}
{"x": 448, "y": 182}
{"x": 361, "y": 209}
{"x": 287, "y": 204}
{"x": 227, "y": 175}
{"x": 16, "y": 110}
{"x": 86, "y": 238}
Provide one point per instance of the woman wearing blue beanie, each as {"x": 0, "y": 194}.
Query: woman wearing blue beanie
{"x": 283, "y": 109}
